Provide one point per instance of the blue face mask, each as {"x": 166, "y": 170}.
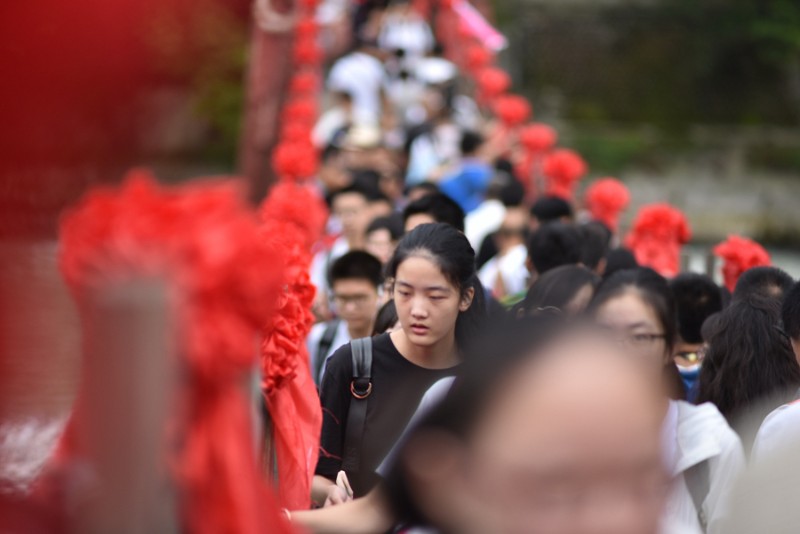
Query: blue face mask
{"x": 689, "y": 375}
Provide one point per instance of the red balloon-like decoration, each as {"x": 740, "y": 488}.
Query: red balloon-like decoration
{"x": 739, "y": 254}
{"x": 538, "y": 137}
{"x": 513, "y": 110}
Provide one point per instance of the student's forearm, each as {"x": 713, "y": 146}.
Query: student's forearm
{"x": 365, "y": 515}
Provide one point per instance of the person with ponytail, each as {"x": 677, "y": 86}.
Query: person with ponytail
{"x": 440, "y": 305}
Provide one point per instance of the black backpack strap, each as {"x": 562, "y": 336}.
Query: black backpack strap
{"x": 324, "y": 346}
{"x": 698, "y": 481}
{"x": 360, "y": 389}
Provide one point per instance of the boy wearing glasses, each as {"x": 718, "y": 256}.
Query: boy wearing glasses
{"x": 355, "y": 280}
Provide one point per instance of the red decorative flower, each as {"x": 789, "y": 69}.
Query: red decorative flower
{"x": 307, "y": 51}
{"x": 300, "y": 110}
{"x": 295, "y": 160}
{"x": 538, "y": 137}
{"x": 304, "y": 84}
{"x": 739, "y": 255}
{"x": 606, "y": 199}
{"x": 513, "y": 110}
{"x": 296, "y": 133}
{"x": 493, "y": 82}
{"x": 477, "y": 57}
{"x": 307, "y": 28}
{"x": 223, "y": 279}
{"x": 656, "y": 237}
{"x": 563, "y": 168}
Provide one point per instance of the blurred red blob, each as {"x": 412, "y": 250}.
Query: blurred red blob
{"x": 656, "y": 237}
{"x": 606, "y": 199}
{"x": 493, "y": 82}
{"x": 538, "y": 137}
{"x": 563, "y": 168}
{"x": 740, "y": 254}
{"x": 295, "y": 160}
{"x": 513, "y": 110}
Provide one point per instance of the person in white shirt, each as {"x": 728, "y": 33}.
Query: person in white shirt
{"x": 356, "y": 282}
{"x": 701, "y": 452}
{"x": 506, "y": 273}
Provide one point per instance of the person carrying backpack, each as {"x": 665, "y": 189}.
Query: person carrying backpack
{"x": 371, "y": 387}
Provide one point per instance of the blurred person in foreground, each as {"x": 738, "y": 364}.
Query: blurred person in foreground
{"x": 495, "y": 457}
{"x": 703, "y": 454}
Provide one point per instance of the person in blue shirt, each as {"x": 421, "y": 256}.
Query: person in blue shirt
{"x": 468, "y": 182}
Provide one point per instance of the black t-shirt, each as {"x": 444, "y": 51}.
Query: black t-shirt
{"x": 397, "y": 387}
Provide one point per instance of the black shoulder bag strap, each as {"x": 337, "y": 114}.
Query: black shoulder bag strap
{"x": 360, "y": 389}
{"x": 324, "y": 346}
{"x": 698, "y": 481}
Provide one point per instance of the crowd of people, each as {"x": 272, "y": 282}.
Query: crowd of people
{"x": 491, "y": 358}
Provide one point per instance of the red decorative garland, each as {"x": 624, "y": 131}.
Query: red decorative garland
{"x": 606, "y": 199}
{"x": 659, "y": 230}
{"x": 739, "y": 254}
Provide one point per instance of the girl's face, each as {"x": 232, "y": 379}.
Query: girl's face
{"x": 638, "y": 328}
{"x": 427, "y": 303}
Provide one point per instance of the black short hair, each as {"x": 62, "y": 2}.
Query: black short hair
{"x": 557, "y": 287}
{"x": 386, "y": 318}
{"x": 352, "y": 188}
{"x": 428, "y": 187}
{"x": 697, "y": 297}
{"x": 357, "y": 265}
{"x": 790, "y": 312}
{"x": 619, "y": 259}
{"x": 442, "y": 208}
{"x": 554, "y": 244}
{"x": 512, "y": 194}
{"x": 470, "y": 142}
{"x": 596, "y": 239}
{"x": 393, "y": 223}
{"x": 769, "y": 282}
{"x": 548, "y": 209}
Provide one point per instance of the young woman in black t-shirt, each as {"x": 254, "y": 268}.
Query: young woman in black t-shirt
{"x": 439, "y": 304}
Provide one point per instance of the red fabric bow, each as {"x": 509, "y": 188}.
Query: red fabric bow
{"x": 606, "y": 199}
{"x": 656, "y": 237}
{"x": 563, "y": 168}
{"x": 224, "y": 279}
{"x": 294, "y": 218}
{"x": 739, "y": 255}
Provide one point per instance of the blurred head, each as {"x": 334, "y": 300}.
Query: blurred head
{"x": 351, "y": 206}
{"x": 433, "y": 208}
{"x": 513, "y": 230}
{"x": 769, "y": 282}
{"x": 355, "y": 280}
{"x": 417, "y": 191}
{"x": 435, "y": 286}
{"x": 619, "y": 259}
{"x": 568, "y": 288}
{"x": 790, "y": 314}
{"x": 596, "y": 240}
{"x": 332, "y": 172}
{"x": 550, "y": 209}
{"x": 749, "y": 358}
{"x": 697, "y": 297}
{"x": 382, "y": 236}
{"x": 470, "y": 143}
{"x": 496, "y": 456}
{"x": 638, "y": 307}
{"x": 552, "y": 245}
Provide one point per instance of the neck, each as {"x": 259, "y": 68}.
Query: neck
{"x": 357, "y": 333}
{"x": 439, "y": 355}
{"x": 355, "y": 242}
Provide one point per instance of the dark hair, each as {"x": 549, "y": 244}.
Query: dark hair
{"x": 452, "y": 253}
{"x": 428, "y": 187}
{"x": 596, "y": 239}
{"x": 749, "y": 359}
{"x": 557, "y": 287}
{"x": 442, "y": 208}
{"x": 353, "y": 188}
{"x": 619, "y": 259}
{"x": 554, "y": 244}
{"x": 386, "y": 318}
{"x": 790, "y": 313}
{"x": 512, "y": 194}
{"x": 769, "y": 282}
{"x": 653, "y": 290}
{"x": 393, "y": 223}
{"x": 470, "y": 142}
{"x": 696, "y": 298}
{"x": 548, "y": 209}
{"x": 329, "y": 152}
{"x": 356, "y": 264}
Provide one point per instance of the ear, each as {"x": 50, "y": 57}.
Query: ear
{"x": 466, "y": 299}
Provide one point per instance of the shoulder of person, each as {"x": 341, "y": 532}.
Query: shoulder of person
{"x": 704, "y": 431}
